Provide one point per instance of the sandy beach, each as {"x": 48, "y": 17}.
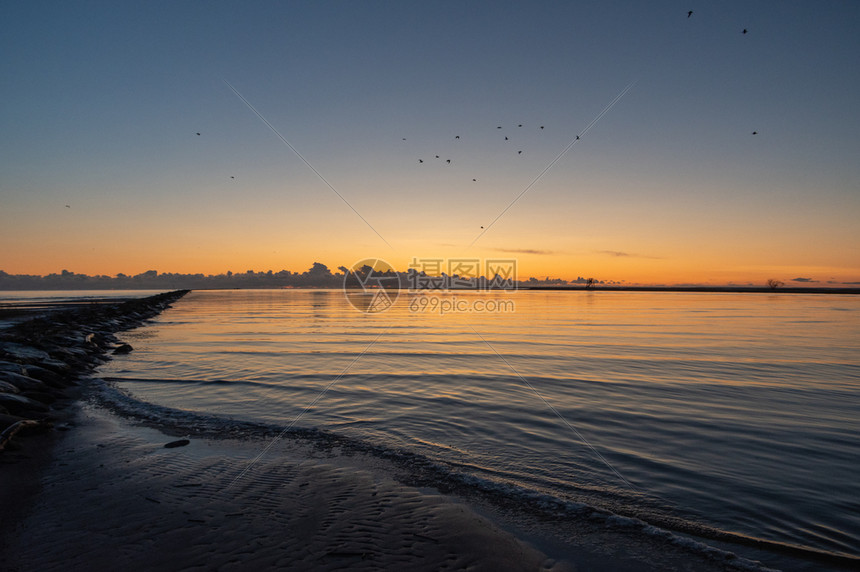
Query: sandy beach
{"x": 113, "y": 493}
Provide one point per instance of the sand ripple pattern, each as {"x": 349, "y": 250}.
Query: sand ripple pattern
{"x": 127, "y": 500}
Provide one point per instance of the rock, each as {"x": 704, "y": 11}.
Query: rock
{"x": 174, "y": 444}
{"x": 22, "y": 352}
{"x": 7, "y": 387}
{"x": 40, "y": 396}
{"x": 22, "y": 382}
{"x": 54, "y": 365}
{"x": 100, "y": 341}
{"x": 24, "y": 425}
{"x": 42, "y": 356}
{"x": 9, "y": 366}
{"x": 7, "y": 420}
{"x": 18, "y": 403}
{"x": 66, "y": 353}
{"x": 73, "y": 357}
{"x": 58, "y": 341}
{"x": 46, "y": 376}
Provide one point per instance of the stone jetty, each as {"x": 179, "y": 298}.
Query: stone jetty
{"x": 43, "y": 360}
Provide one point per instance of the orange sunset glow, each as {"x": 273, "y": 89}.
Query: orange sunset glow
{"x": 641, "y": 149}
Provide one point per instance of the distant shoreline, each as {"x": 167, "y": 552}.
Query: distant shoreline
{"x": 714, "y": 289}
{"x": 574, "y": 288}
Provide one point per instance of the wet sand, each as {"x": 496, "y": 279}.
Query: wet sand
{"x": 113, "y": 494}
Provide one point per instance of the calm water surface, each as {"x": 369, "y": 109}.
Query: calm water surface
{"x": 737, "y": 411}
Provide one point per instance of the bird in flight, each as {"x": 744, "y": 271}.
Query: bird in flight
{"x": 474, "y": 179}
{"x": 690, "y": 13}
{"x": 506, "y": 138}
{"x": 68, "y": 206}
{"x": 420, "y": 160}
{"x": 577, "y": 137}
{"x": 456, "y": 137}
{"x": 541, "y": 126}
{"x": 448, "y": 161}
{"x": 755, "y": 132}
{"x": 745, "y": 31}
{"x": 232, "y": 177}
{"x": 520, "y": 125}
{"x": 519, "y": 152}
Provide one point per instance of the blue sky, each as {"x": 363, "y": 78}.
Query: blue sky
{"x": 102, "y": 103}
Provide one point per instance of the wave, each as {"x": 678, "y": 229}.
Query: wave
{"x": 114, "y": 379}
{"x": 631, "y": 512}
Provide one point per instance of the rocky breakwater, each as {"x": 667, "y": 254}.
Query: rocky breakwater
{"x": 44, "y": 360}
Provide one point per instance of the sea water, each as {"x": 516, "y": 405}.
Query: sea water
{"x": 737, "y": 412}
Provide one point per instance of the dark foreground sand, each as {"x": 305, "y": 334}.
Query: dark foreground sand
{"x": 112, "y": 497}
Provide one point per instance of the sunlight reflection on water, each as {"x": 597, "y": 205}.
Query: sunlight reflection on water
{"x": 738, "y": 408}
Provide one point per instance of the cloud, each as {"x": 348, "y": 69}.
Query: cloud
{"x": 613, "y": 252}
{"x": 802, "y": 280}
{"x": 621, "y": 253}
{"x": 523, "y": 251}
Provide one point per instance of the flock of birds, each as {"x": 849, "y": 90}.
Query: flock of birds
{"x": 520, "y": 152}
{"x": 506, "y": 138}
{"x": 457, "y": 137}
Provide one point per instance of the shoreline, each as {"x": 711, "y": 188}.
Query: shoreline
{"x": 45, "y": 355}
{"x": 111, "y": 491}
{"x": 523, "y": 287}
{"x": 700, "y": 289}
{"x": 547, "y": 521}
{"x": 44, "y": 358}
{"x": 99, "y": 479}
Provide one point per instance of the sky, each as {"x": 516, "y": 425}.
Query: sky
{"x": 102, "y": 170}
